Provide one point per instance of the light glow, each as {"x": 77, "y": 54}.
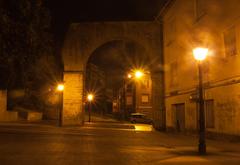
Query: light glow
{"x": 129, "y": 75}
{"x": 90, "y": 97}
{"x": 60, "y": 87}
{"x": 200, "y": 53}
{"x": 138, "y": 74}
{"x": 143, "y": 127}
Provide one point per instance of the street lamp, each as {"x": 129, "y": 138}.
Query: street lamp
{"x": 200, "y": 54}
{"x": 90, "y": 98}
{"x": 129, "y": 75}
{"x": 60, "y": 89}
{"x": 138, "y": 74}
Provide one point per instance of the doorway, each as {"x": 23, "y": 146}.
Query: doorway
{"x": 179, "y": 111}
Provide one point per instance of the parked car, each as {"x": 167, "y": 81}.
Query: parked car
{"x": 140, "y": 118}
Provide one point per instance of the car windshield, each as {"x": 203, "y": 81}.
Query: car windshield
{"x": 137, "y": 116}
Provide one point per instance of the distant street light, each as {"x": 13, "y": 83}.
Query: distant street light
{"x": 90, "y": 98}
{"x": 138, "y": 74}
{"x": 200, "y": 54}
{"x": 129, "y": 76}
{"x": 60, "y": 89}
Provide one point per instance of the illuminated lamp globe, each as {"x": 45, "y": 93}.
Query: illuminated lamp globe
{"x": 200, "y": 53}
{"x": 90, "y": 97}
{"x": 60, "y": 87}
{"x": 138, "y": 74}
{"x": 129, "y": 75}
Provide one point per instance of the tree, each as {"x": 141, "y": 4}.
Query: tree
{"x": 25, "y": 40}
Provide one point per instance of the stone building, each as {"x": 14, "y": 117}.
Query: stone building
{"x": 83, "y": 39}
{"x": 202, "y": 23}
{"x": 136, "y": 96}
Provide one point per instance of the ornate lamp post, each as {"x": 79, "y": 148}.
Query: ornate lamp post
{"x": 90, "y": 98}
{"x": 200, "y": 54}
{"x": 60, "y": 89}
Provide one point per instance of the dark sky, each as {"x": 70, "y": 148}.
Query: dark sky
{"x": 66, "y": 11}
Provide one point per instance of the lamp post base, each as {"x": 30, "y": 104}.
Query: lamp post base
{"x": 202, "y": 148}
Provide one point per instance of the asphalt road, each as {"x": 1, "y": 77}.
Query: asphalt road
{"x": 105, "y": 143}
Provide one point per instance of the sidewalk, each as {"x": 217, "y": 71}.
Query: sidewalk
{"x": 99, "y": 118}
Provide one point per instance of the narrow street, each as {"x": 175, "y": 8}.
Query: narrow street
{"x": 106, "y": 142}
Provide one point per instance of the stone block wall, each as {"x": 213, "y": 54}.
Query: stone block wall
{"x": 82, "y": 39}
{"x": 73, "y": 99}
{"x": 3, "y": 101}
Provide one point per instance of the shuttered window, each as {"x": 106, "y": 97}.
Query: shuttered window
{"x": 209, "y": 111}
{"x": 230, "y": 42}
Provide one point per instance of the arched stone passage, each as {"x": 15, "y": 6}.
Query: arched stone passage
{"x": 127, "y": 53}
{"x": 105, "y": 73}
{"x": 83, "y": 39}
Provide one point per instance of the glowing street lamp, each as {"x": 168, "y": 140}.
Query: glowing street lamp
{"x": 200, "y": 54}
{"x": 60, "y": 89}
{"x": 90, "y": 98}
{"x": 138, "y": 74}
{"x": 129, "y": 75}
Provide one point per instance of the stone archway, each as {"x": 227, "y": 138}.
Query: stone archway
{"x": 83, "y": 39}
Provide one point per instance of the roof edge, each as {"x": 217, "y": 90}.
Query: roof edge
{"x": 165, "y": 8}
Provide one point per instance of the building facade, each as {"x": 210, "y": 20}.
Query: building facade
{"x": 144, "y": 95}
{"x": 136, "y": 96}
{"x": 215, "y": 25}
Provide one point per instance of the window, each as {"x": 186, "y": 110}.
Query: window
{"x": 209, "y": 111}
{"x": 230, "y": 42}
{"x": 129, "y": 87}
{"x": 200, "y": 8}
{"x": 145, "y": 98}
{"x": 145, "y": 83}
{"x": 129, "y": 100}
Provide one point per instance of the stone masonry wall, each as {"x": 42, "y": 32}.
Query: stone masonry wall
{"x": 82, "y": 39}
{"x": 72, "y": 98}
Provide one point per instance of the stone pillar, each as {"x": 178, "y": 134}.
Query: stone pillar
{"x": 73, "y": 112}
{"x": 3, "y": 101}
{"x": 4, "y": 114}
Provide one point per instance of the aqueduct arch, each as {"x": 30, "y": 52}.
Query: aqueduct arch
{"x": 82, "y": 39}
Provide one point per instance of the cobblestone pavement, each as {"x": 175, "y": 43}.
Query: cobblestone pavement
{"x": 106, "y": 143}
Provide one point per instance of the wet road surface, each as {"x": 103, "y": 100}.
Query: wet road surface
{"x": 105, "y": 143}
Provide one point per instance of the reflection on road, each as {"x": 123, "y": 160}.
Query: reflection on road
{"x": 143, "y": 127}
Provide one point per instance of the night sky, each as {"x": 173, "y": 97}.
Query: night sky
{"x": 64, "y": 12}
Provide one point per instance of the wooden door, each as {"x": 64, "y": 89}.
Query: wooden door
{"x": 180, "y": 116}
